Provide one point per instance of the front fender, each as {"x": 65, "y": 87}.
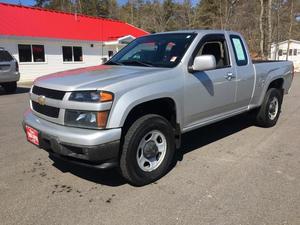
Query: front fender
{"x": 127, "y": 101}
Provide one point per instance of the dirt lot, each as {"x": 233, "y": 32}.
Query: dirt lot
{"x": 228, "y": 173}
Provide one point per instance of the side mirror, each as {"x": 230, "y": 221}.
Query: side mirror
{"x": 204, "y": 62}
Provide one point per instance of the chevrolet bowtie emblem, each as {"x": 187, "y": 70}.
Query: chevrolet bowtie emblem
{"x": 41, "y": 99}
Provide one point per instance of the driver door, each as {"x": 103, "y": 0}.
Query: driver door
{"x": 210, "y": 93}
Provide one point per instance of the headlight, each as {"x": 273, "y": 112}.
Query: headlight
{"x": 91, "y": 96}
{"x": 86, "y": 119}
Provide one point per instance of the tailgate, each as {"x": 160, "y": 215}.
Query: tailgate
{"x": 5, "y": 67}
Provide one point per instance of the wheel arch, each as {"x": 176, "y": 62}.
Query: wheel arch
{"x": 277, "y": 83}
{"x": 163, "y": 106}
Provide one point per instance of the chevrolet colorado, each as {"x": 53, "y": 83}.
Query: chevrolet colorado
{"x": 131, "y": 111}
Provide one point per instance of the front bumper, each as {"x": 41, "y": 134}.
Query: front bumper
{"x": 96, "y": 148}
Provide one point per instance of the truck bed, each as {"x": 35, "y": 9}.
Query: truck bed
{"x": 270, "y": 69}
{"x": 267, "y": 61}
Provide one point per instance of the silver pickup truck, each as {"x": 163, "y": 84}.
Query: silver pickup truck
{"x": 131, "y": 111}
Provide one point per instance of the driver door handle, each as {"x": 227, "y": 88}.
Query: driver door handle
{"x": 229, "y": 76}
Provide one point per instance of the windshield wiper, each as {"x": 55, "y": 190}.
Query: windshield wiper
{"x": 136, "y": 62}
{"x": 113, "y": 63}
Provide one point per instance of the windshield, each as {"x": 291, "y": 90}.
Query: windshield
{"x": 159, "y": 50}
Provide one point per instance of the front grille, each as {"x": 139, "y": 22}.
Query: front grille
{"x": 45, "y": 110}
{"x": 48, "y": 93}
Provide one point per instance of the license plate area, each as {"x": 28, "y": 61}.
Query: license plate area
{"x": 32, "y": 135}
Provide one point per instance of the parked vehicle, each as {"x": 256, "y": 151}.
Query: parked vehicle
{"x": 9, "y": 71}
{"x": 132, "y": 111}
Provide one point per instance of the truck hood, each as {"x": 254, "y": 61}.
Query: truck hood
{"x": 92, "y": 78}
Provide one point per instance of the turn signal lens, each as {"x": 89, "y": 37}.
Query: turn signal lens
{"x": 106, "y": 96}
{"x": 102, "y": 119}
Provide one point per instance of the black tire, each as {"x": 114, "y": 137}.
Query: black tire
{"x": 262, "y": 117}
{"x": 129, "y": 167}
{"x": 10, "y": 87}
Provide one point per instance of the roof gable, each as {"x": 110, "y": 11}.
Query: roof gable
{"x": 42, "y": 23}
{"x": 284, "y": 42}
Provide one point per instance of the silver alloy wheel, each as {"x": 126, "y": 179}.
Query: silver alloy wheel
{"x": 273, "y": 108}
{"x": 151, "y": 150}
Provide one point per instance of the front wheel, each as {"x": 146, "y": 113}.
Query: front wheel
{"x": 268, "y": 114}
{"x": 148, "y": 150}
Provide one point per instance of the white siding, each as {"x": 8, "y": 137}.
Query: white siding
{"x": 284, "y": 46}
{"x": 53, "y": 55}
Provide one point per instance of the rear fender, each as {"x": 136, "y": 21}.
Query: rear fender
{"x": 278, "y": 73}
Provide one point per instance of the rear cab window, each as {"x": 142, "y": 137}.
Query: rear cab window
{"x": 5, "y": 56}
{"x": 239, "y": 50}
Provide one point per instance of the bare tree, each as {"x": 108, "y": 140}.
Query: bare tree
{"x": 269, "y": 26}
{"x": 260, "y": 21}
{"x": 131, "y": 10}
{"x": 290, "y": 28}
{"x": 228, "y": 11}
{"x": 221, "y": 14}
{"x": 261, "y": 28}
{"x": 278, "y": 7}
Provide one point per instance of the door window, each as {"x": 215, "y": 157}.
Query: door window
{"x": 218, "y": 49}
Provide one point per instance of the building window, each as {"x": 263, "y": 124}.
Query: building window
{"x": 25, "y": 53}
{"x": 77, "y": 54}
{"x": 31, "y": 53}
{"x": 280, "y": 52}
{"x": 290, "y": 51}
{"x": 295, "y": 51}
{"x": 67, "y": 54}
{"x": 38, "y": 53}
{"x": 110, "y": 54}
{"x": 72, "y": 54}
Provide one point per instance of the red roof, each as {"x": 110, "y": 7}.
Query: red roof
{"x": 35, "y": 22}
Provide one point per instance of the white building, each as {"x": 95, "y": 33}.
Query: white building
{"x": 282, "y": 52}
{"x": 47, "y": 41}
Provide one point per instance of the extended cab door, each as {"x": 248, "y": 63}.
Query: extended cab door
{"x": 245, "y": 74}
{"x": 209, "y": 93}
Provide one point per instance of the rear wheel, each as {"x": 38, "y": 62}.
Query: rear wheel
{"x": 268, "y": 114}
{"x": 148, "y": 150}
{"x": 10, "y": 87}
